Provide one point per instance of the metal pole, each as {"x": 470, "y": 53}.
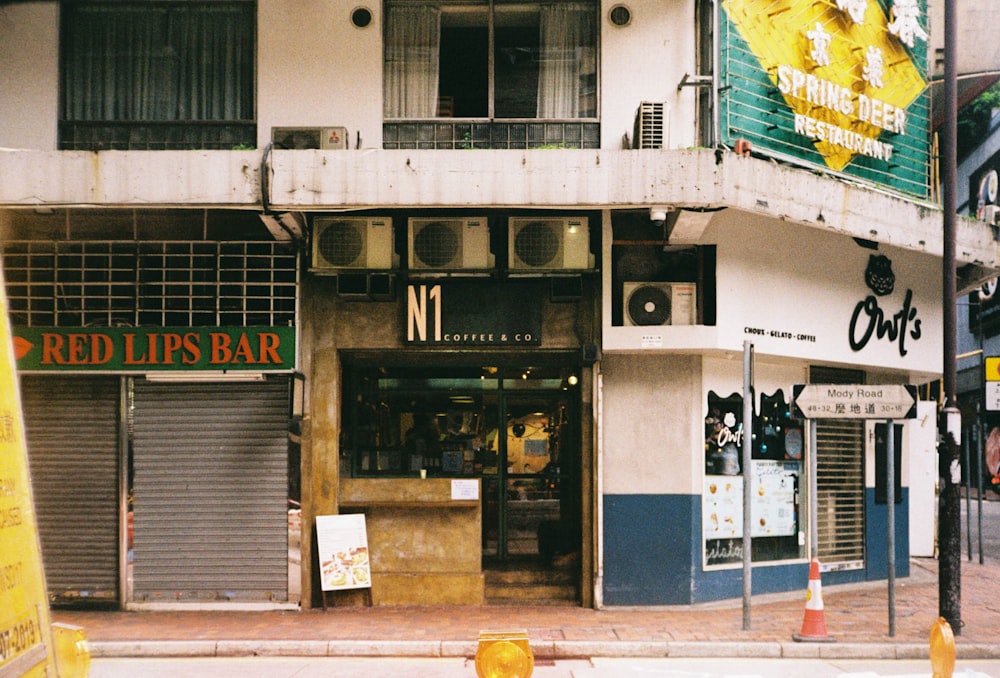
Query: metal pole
{"x": 980, "y": 450}
{"x": 968, "y": 495}
{"x": 890, "y": 500}
{"x": 747, "y": 448}
{"x": 949, "y": 569}
{"x": 813, "y": 492}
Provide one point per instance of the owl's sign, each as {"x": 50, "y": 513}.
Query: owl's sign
{"x": 836, "y": 83}
{"x": 880, "y": 320}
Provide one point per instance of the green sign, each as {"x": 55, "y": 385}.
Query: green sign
{"x": 149, "y": 349}
{"x": 841, "y": 86}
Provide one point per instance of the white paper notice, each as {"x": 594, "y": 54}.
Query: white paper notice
{"x": 464, "y": 490}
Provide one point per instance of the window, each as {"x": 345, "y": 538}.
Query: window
{"x": 542, "y": 65}
{"x": 158, "y": 75}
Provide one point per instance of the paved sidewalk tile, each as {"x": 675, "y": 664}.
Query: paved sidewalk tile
{"x": 856, "y": 616}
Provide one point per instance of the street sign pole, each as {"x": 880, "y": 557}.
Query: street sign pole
{"x": 747, "y": 454}
{"x": 813, "y": 492}
{"x": 857, "y": 401}
{"x": 890, "y": 500}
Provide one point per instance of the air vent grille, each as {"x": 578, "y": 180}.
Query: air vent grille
{"x": 650, "y": 125}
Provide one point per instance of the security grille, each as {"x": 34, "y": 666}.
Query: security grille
{"x": 126, "y": 283}
{"x": 840, "y": 482}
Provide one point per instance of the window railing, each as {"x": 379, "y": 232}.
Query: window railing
{"x": 85, "y": 135}
{"x": 506, "y": 134}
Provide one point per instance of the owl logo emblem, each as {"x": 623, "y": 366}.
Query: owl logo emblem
{"x": 879, "y": 276}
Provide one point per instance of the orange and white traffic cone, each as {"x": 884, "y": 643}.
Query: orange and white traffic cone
{"x": 814, "y": 623}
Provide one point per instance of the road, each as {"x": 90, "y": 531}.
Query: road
{"x": 989, "y": 535}
{"x": 323, "y": 667}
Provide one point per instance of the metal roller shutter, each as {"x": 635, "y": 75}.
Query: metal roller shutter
{"x": 72, "y": 431}
{"x": 840, "y": 482}
{"x": 210, "y": 491}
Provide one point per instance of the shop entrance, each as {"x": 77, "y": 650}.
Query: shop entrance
{"x": 516, "y": 428}
{"x": 528, "y": 503}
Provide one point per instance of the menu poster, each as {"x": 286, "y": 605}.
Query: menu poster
{"x": 722, "y": 507}
{"x": 343, "y": 552}
{"x": 773, "y": 494}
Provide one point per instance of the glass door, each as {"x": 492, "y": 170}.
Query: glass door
{"x": 531, "y": 503}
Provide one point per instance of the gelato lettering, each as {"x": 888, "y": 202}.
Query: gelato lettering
{"x": 870, "y": 320}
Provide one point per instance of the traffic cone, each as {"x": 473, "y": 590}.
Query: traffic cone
{"x": 814, "y": 623}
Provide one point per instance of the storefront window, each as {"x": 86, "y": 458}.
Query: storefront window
{"x": 777, "y": 521}
{"x": 444, "y": 421}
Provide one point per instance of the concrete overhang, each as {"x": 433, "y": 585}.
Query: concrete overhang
{"x": 308, "y": 180}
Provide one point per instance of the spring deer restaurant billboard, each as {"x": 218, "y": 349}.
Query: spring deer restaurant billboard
{"x": 837, "y": 84}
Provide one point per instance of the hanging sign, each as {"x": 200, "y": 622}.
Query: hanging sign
{"x": 841, "y": 84}
{"x": 992, "y": 383}
{"x": 854, "y": 401}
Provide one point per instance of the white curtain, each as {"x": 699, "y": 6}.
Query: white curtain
{"x": 566, "y": 49}
{"x": 412, "y": 44}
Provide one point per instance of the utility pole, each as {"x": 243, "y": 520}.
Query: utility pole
{"x": 949, "y": 472}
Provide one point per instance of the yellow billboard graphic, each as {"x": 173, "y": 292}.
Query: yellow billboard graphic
{"x": 842, "y": 68}
{"x": 25, "y": 628}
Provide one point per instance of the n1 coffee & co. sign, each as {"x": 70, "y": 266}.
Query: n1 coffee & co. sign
{"x": 147, "y": 349}
{"x": 836, "y": 83}
{"x": 473, "y": 313}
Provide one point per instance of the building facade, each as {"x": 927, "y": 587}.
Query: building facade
{"x": 272, "y": 264}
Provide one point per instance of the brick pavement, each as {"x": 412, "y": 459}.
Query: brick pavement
{"x": 856, "y": 616}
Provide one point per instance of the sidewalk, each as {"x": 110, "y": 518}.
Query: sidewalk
{"x": 856, "y": 615}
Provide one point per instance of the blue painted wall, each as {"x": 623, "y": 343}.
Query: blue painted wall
{"x": 652, "y": 553}
{"x": 648, "y": 549}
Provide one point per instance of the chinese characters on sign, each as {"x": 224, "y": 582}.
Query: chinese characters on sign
{"x": 845, "y": 80}
{"x": 854, "y": 401}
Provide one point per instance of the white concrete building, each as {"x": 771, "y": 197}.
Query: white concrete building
{"x": 264, "y": 256}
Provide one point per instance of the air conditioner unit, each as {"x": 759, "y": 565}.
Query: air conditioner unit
{"x": 449, "y": 243}
{"x": 990, "y": 214}
{"x": 352, "y": 243}
{"x": 659, "y": 303}
{"x": 549, "y": 244}
{"x": 650, "y": 129}
{"x": 296, "y": 138}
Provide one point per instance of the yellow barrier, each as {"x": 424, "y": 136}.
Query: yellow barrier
{"x": 504, "y": 654}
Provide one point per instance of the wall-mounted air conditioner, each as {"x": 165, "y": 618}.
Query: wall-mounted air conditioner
{"x": 659, "y": 303}
{"x": 449, "y": 243}
{"x": 549, "y": 244}
{"x": 990, "y": 214}
{"x": 297, "y": 138}
{"x": 650, "y": 128}
{"x": 352, "y": 243}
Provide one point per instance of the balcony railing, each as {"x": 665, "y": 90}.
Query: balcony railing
{"x": 507, "y": 134}
{"x": 85, "y": 135}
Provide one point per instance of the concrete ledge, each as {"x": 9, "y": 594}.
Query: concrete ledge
{"x": 571, "y": 649}
{"x": 550, "y": 649}
{"x": 724, "y": 649}
{"x": 975, "y": 651}
{"x": 271, "y": 648}
{"x": 857, "y": 651}
{"x": 460, "y": 648}
{"x": 384, "y": 648}
{"x": 159, "y": 648}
